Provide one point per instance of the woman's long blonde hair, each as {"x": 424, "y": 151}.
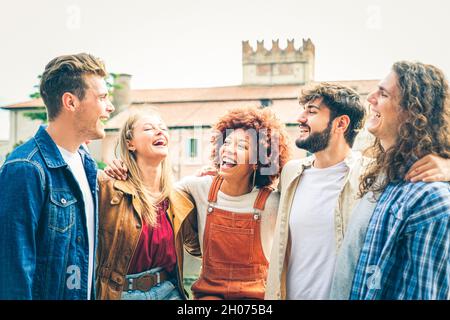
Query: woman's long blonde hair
{"x": 147, "y": 201}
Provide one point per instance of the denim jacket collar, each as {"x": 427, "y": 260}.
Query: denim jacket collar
{"x": 50, "y": 151}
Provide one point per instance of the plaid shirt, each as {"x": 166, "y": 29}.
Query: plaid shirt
{"x": 406, "y": 254}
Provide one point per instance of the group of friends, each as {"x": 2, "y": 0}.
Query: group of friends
{"x": 337, "y": 224}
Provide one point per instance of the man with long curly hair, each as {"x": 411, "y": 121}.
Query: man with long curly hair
{"x": 406, "y": 251}
{"x": 319, "y": 195}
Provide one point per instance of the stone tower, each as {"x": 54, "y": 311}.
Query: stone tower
{"x": 278, "y": 66}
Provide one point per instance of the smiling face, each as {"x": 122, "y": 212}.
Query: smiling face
{"x": 315, "y": 126}
{"x": 383, "y": 121}
{"x": 94, "y": 109}
{"x": 236, "y": 153}
{"x": 150, "y": 138}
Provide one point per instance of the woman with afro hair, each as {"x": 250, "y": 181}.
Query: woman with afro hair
{"x": 237, "y": 207}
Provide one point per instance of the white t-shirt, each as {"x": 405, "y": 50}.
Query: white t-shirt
{"x": 198, "y": 188}
{"x": 312, "y": 228}
{"x": 75, "y": 163}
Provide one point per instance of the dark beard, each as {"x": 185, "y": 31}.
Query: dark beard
{"x": 316, "y": 141}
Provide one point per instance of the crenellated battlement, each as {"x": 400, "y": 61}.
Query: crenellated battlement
{"x": 249, "y": 53}
{"x": 277, "y": 65}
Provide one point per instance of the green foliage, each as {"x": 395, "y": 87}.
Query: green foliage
{"x": 36, "y": 94}
{"x": 110, "y": 83}
{"x": 101, "y": 165}
{"x": 41, "y": 114}
{"x": 37, "y": 115}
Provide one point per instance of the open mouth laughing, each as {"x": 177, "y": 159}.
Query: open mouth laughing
{"x": 160, "y": 143}
{"x": 304, "y": 130}
{"x": 228, "y": 163}
{"x": 104, "y": 120}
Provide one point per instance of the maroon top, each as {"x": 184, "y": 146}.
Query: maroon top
{"x": 156, "y": 245}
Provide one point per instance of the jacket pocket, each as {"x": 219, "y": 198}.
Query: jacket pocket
{"x": 62, "y": 210}
{"x": 117, "y": 198}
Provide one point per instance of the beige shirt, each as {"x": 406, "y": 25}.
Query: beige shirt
{"x": 290, "y": 177}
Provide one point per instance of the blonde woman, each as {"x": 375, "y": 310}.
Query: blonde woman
{"x": 141, "y": 224}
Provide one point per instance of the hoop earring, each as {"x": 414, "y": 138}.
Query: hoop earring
{"x": 254, "y": 178}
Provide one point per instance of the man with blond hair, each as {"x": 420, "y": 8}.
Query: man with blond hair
{"x": 49, "y": 189}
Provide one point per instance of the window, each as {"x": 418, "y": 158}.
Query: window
{"x": 192, "y": 148}
{"x": 265, "y": 103}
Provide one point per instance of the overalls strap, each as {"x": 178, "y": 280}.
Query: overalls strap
{"x": 261, "y": 198}
{"x": 214, "y": 189}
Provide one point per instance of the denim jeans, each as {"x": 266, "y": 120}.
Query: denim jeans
{"x": 165, "y": 290}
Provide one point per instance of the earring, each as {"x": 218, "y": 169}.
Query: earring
{"x": 254, "y": 177}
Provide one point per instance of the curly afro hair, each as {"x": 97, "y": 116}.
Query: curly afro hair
{"x": 272, "y": 140}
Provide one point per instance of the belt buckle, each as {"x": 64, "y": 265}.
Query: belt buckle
{"x": 130, "y": 284}
{"x": 146, "y": 282}
{"x": 140, "y": 283}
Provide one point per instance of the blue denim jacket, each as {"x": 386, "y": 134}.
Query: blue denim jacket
{"x": 44, "y": 248}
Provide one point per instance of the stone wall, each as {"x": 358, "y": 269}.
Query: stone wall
{"x": 278, "y": 66}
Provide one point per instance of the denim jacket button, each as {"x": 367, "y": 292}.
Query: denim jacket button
{"x": 79, "y": 239}
{"x": 63, "y": 201}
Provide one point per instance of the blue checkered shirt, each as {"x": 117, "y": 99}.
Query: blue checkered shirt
{"x": 406, "y": 253}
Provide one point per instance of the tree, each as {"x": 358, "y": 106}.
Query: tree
{"x": 110, "y": 83}
{"x": 37, "y": 115}
{"x": 36, "y": 94}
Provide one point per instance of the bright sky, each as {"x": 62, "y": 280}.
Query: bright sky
{"x": 179, "y": 43}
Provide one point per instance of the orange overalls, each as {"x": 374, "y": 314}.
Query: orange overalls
{"x": 233, "y": 265}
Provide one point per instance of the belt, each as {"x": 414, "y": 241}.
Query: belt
{"x": 145, "y": 282}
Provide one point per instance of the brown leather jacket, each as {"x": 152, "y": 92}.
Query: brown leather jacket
{"x": 120, "y": 228}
